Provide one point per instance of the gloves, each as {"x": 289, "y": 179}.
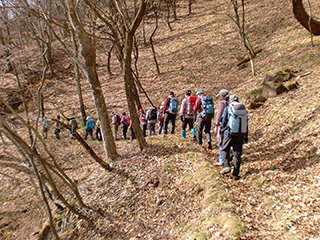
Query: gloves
{"x": 182, "y": 118}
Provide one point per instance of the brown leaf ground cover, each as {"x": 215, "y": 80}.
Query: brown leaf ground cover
{"x": 171, "y": 190}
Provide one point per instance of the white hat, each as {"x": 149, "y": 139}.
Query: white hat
{"x": 223, "y": 92}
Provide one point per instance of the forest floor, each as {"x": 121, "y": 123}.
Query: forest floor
{"x": 171, "y": 189}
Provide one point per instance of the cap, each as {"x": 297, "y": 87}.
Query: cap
{"x": 112, "y": 113}
{"x": 188, "y": 92}
{"x": 140, "y": 110}
{"x": 71, "y": 117}
{"x": 200, "y": 91}
{"x": 88, "y": 118}
{"x": 223, "y": 92}
{"x": 233, "y": 98}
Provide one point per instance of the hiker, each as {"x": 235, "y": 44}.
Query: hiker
{"x": 151, "y": 116}
{"x": 132, "y": 136}
{"x": 89, "y": 128}
{"x": 187, "y": 115}
{"x": 45, "y": 127}
{"x": 143, "y": 121}
{"x": 204, "y": 105}
{"x": 115, "y": 122}
{"x": 58, "y": 128}
{"x": 74, "y": 126}
{"x": 160, "y": 118}
{"x": 170, "y": 110}
{"x": 98, "y": 130}
{"x": 235, "y": 130}
{"x": 222, "y": 95}
{"x": 125, "y": 123}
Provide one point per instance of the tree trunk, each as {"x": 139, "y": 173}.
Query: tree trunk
{"x": 304, "y": 19}
{"x": 128, "y": 77}
{"x": 88, "y": 53}
{"x": 77, "y": 75}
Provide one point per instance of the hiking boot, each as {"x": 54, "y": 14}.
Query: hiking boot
{"x": 217, "y": 164}
{"x": 225, "y": 170}
{"x": 209, "y": 144}
{"x": 235, "y": 178}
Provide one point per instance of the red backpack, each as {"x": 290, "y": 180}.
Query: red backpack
{"x": 191, "y": 101}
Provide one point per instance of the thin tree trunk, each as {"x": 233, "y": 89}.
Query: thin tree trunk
{"x": 89, "y": 55}
{"x": 77, "y": 76}
{"x": 151, "y": 43}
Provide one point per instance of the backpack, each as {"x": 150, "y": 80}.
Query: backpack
{"x": 117, "y": 119}
{"x": 173, "y": 105}
{"x": 126, "y": 122}
{"x": 207, "y": 107}
{"x": 152, "y": 114}
{"x": 74, "y": 124}
{"x": 191, "y": 101}
{"x": 237, "y": 119}
{"x": 91, "y": 124}
{"x": 46, "y": 124}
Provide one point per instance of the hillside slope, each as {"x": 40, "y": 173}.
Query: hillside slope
{"x": 278, "y": 194}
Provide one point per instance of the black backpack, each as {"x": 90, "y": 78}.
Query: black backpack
{"x": 153, "y": 114}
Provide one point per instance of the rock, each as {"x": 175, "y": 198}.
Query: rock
{"x": 272, "y": 88}
{"x": 292, "y": 84}
{"x": 257, "y": 102}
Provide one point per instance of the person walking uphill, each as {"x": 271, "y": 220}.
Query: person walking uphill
{"x": 89, "y": 128}
{"x": 187, "y": 115}
{"x": 222, "y": 95}
{"x": 98, "y": 130}
{"x": 58, "y": 128}
{"x": 143, "y": 121}
{"x": 125, "y": 123}
{"x": 235, "y": 130}
{"x": 115, "y": 122}
{"x": 204, "y": 105}
{"x": 151, "y": 116}
{"x": 170, "y": 110}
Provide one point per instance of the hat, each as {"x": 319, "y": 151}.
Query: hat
{"x": 112, "y": 113}
{"x": 71, "y": 117}
{"x": 140, "y": 110}
{"x": 88, "y": 118}
{"x": 200, "y": 91}
{"x": 223, "y": 92}
{"x": 234, "y": 98}
{"x": 188, "y": 92}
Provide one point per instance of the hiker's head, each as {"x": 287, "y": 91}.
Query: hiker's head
{"x": 141, "y": 110}
{"x": 58, "y": 117}
{"x": 171, "y": 93}
{"x": 233, "y": 98}
{"x": 188, "y": 93}
{"x": 222, "y": 94}
{"x": 112, "y": 113}
{"x": 71, "y": 117}
{"x": 88, "y": 118}
{"x": 123, "y": 114}
{"x": 200, "y": 92}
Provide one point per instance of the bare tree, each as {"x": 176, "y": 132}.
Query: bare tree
{"x": 239, "y": 19}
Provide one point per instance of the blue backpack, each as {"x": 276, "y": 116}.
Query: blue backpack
{"x": 237, "y": 119}
{"x": 173, "y": 105}
{"x": 91, "y": 124}
{"x": 207, "y": 107}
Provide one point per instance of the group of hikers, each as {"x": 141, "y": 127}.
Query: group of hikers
{"x": 230, "y": 125}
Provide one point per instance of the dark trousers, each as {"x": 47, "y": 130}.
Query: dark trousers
{"x": 206, "y": 124}
{"x": 124, "y": 132}
{"x": 98, "y": 134}
{"x": 172, "y": 118}
{"x": 236, "y": 143}
{"x": 144, "y": 129}
{"x": 187, "y": 122}
{"x": 160, "y": 127}
{"x": 88, "y": 131}
{"x": 57, "y": 133}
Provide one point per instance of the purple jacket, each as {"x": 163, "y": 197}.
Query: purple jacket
{"x": 223, "y": 104}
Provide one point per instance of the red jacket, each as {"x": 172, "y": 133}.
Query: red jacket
{"x": 198, "y": 106}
